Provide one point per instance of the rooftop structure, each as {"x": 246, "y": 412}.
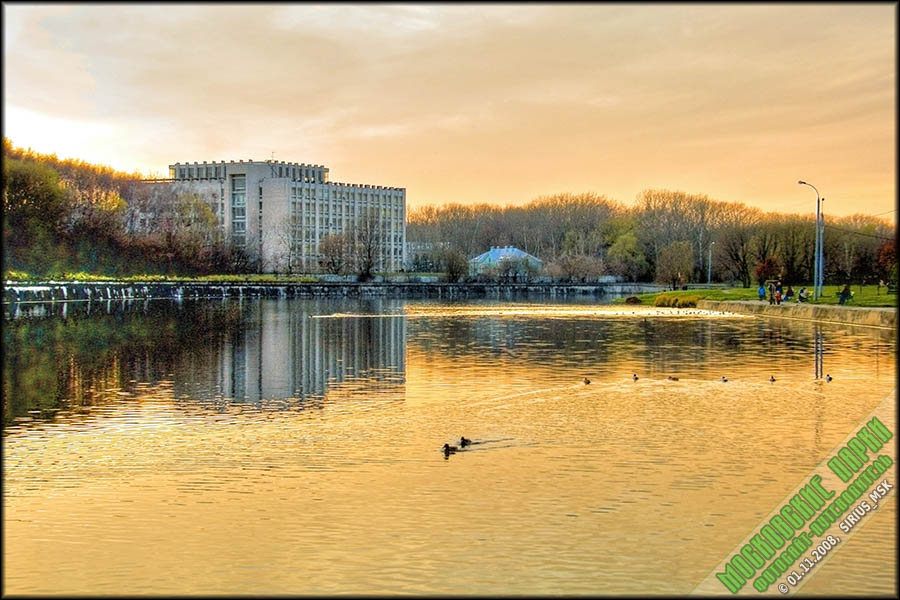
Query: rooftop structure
{"x": 497, "y": 256}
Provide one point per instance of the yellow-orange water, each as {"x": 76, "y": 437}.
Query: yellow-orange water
{"x": 296, "y": 450}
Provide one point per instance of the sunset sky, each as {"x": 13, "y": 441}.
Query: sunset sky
{"x": 475, "y": 102}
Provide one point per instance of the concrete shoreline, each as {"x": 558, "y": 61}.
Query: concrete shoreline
{"x": 62, "y": 291}
{"x": 847, "y": 315}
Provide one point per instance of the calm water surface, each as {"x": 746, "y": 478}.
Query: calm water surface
{"x": 292, "y": 446}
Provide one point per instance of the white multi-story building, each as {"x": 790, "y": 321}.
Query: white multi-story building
{"x": 280, "y": 211}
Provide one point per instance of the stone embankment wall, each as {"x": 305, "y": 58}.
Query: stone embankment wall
{"x": 68, "y": 292}
{"x": 850, "y": 315}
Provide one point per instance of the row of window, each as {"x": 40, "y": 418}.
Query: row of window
{"x": 387, "y": 216}
{"x": 367, "y": 198}
{"x": 239, "y": 209}
{"x": 218, "y": 172}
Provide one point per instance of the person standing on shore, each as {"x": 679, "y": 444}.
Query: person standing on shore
{"x": 762, "y": 292}
{"x": 771, "y": 293}
{"x": 845, "y": 294}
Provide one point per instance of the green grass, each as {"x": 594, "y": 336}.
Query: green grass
{"x": 867, "y": 295}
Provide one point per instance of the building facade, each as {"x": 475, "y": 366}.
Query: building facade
{"x": 280, "y": 211}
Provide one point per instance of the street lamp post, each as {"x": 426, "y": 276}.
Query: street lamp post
{"x": 822, "y": 250}
{"x": 817, "y": 266}
{"x": 709, "y": 264}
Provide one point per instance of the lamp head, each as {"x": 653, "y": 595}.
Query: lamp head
{"x": 801, "y": 182}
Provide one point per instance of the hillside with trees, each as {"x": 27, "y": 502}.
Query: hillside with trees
{"x": 69, "y": 216}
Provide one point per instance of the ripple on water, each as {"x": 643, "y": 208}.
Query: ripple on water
{"x": 248, "y": 451}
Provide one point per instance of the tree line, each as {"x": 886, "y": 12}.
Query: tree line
{"x": 666, "y": 236}
{"x": 67, "y": 215}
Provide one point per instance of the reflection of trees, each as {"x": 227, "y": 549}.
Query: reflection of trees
{"x": 626, "y": 341}
{"x": 54, "y": 362}
{"x": 235, "y": 349}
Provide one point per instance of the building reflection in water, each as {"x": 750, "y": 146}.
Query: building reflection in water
{"x": 285, "y": 352}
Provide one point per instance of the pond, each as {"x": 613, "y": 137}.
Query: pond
{"x": 292, "y": 446}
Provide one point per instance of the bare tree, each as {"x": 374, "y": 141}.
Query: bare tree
{"x": 795, "y": 247}
{"x": 287, "y": 237}
{"x": 337, "y": 255}
{"x": 367, "y": 242}
{"x": 734, "y": 240}
{"x": 455, "y": 264}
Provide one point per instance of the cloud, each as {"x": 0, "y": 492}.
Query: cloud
{"x": 530, "y": 97}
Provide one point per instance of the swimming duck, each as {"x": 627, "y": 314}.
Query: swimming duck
{"x": 724, "y": 379}
{"x": 448, "y": 449}
{"x": 772, "y": 378}
{"x": 635, "y": 377}
{"x": 671, "y": 378}
{"x": 828, "y": 377}
{"x": 587, "y": 381}
{"x": 464, "y": 441}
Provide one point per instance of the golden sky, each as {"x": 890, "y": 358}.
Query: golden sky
{"x": 476, "y": 102}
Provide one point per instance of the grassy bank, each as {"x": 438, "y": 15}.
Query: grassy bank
{"x": 866, "y": 295}
{"x": 22, "y": 276}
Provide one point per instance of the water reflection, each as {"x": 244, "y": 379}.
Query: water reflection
{"x": 62, "y": 357}
{"x": 282, "y": 352}
{"x": 819, "y": 350}
{"x": 171, "y": 449}
{"x": 58, "y": 358}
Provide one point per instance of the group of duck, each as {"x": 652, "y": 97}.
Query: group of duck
{"x": 463, "y": 442}
{"x": 723, "y": 380}
{"x": 447, "y": 449}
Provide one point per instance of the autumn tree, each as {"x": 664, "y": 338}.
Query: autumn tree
{"x": 767, "y": 269}
{"x": 887, "y": 259}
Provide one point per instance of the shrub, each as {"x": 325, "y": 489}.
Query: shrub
{"x": 672, "y": 301}
{"x": 686, "y": 302}
{"x": 13, "y": 275}
{"x": 664, "y": 300}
